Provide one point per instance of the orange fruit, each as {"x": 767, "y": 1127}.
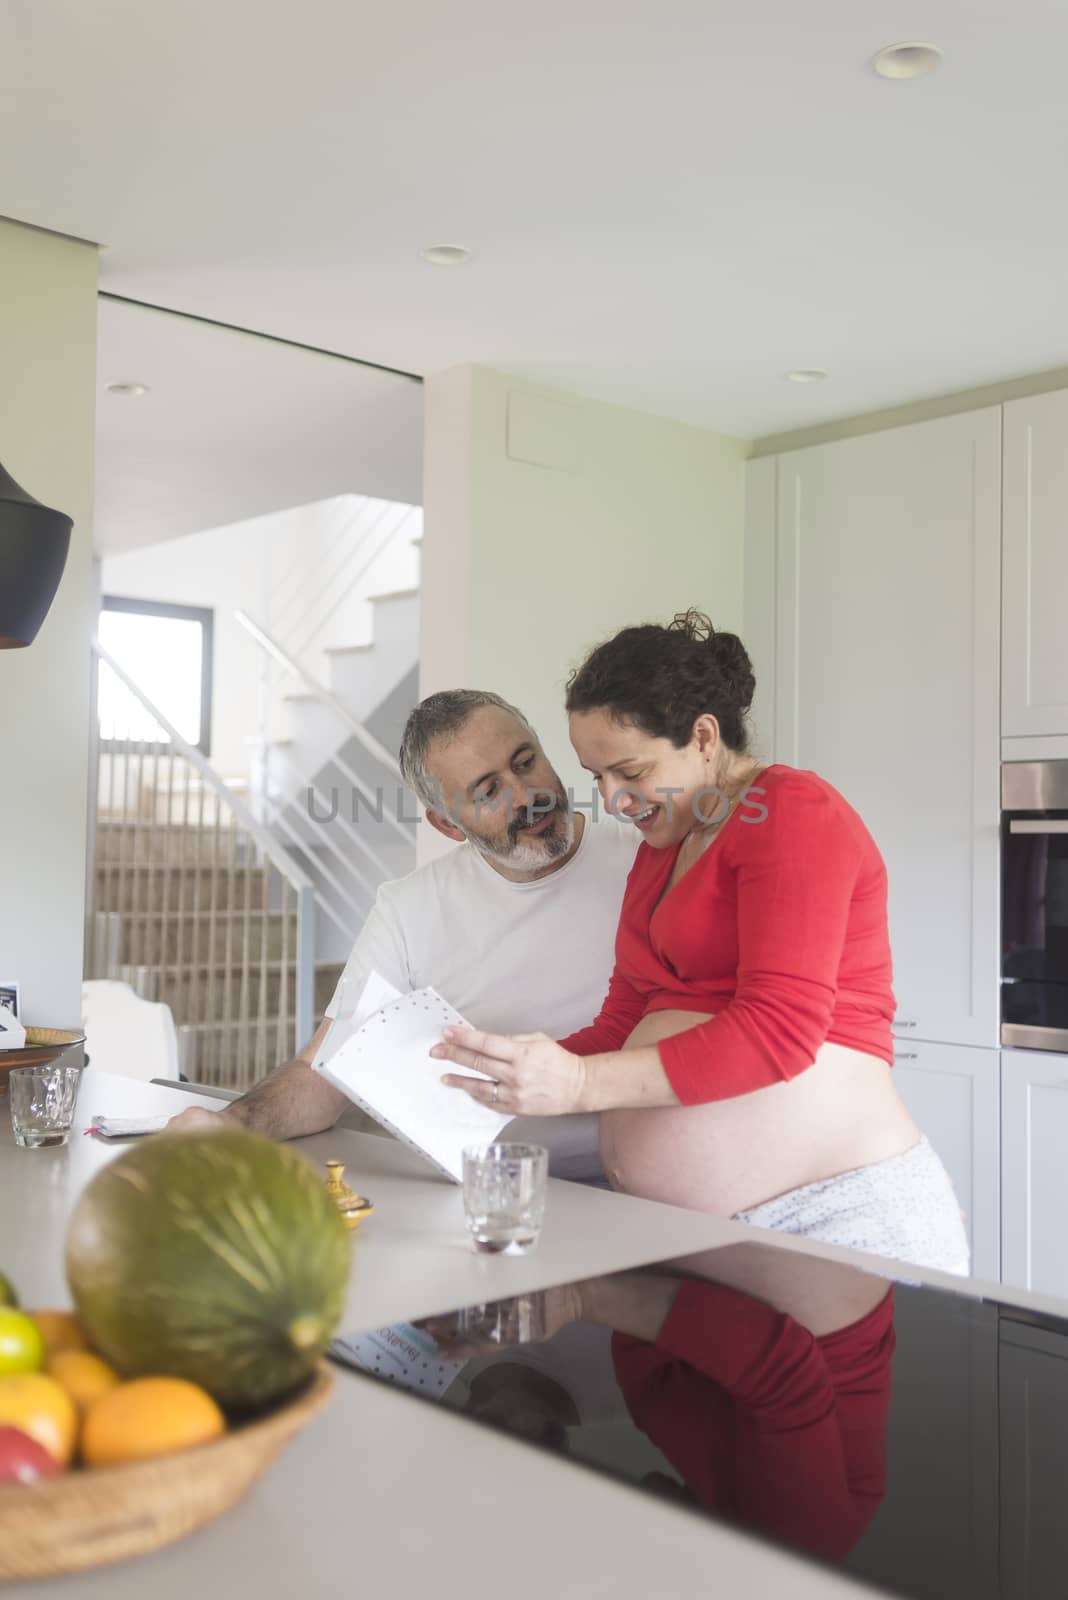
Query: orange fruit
{"x": 84, "y": 1376}
{"x": 42, "y": 1408}
{"x": 22, "y": 1349}
{"x": 149, "y": 1417}
{"x": 60, "y": 1330}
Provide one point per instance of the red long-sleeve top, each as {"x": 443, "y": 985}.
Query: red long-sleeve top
{"x": 764, "y": 1422}
{"x": 779, "y": 929}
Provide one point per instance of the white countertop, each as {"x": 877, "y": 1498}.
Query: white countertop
{"x": 385, "y": 1495}
{"x": 410, "y": 1258}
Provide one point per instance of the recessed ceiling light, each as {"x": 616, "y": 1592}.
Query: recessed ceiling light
{"x": 445, "y": 255}
{"x": 912, "y": 60}
{"x": 130, "y": 390}
{"x": 805, "y": 375}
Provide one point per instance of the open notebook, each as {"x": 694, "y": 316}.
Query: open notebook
{"x": 378, "y": 1053}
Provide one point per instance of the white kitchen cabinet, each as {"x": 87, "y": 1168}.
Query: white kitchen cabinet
{"x": 1034, "y": 1170}
{"x": 1033, "y": 1451}
{"x": 952, "y": 1092}
{"x": 1035, "y": 567}
{"x": 887, "y": 615}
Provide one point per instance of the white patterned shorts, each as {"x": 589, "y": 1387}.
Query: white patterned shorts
{"x": 902, "y": 1208}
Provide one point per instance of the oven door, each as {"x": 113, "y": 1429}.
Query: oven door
{"x": 1034, "y": 923}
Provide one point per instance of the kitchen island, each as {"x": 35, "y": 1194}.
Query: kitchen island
{"x": 389, "y": 1496}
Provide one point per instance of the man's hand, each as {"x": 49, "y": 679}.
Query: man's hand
{"x": 503, "y": 1324}
{"x": 533, "y": 1076}
{"x": 198, "y": 1117}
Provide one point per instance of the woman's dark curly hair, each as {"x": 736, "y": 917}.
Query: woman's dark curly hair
{"x": 663, "y": 679}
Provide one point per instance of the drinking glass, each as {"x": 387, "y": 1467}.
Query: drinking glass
{"x": 42, "y": 1103}
{"x": 504, "y": 1196}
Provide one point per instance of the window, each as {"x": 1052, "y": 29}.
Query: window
{"x": 167, "y": 651}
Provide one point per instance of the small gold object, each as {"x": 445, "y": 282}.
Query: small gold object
{"x": 353, "y": 1207}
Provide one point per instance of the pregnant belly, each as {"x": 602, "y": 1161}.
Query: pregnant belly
{"x": 840, "y": 1113}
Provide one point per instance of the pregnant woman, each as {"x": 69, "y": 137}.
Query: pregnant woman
{"x": 742, "y": 1060}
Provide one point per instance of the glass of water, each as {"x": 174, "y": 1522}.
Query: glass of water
{"x": 42, "y": 1103}
{"x": 504, "y": 1196}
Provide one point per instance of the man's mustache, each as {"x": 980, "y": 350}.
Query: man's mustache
{"x": 527, "y": 817}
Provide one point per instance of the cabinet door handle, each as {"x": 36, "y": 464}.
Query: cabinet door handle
{"x": 906, "y": 1055}
{"x": 1039, "y": 825}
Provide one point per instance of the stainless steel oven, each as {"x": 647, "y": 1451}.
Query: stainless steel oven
{"x": 1034, "y": 905}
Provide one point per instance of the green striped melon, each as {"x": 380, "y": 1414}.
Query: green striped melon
{"x": 213, "y": 1256}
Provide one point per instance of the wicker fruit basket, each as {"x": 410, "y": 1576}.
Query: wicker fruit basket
{"x": 42, "y": 1045}
{"x": 90, "y": 1517}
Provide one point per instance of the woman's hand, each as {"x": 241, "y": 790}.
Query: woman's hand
{"x": 533, "y": 1076}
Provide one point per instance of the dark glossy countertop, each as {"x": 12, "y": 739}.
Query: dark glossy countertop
{"x": 911, "y": 1436}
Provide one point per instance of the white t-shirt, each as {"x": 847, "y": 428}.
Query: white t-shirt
{"x": 512, "y": 957}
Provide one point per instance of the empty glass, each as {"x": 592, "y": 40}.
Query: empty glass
{"x": 42, "y": 1103}
{"x": 504, "y": 1196}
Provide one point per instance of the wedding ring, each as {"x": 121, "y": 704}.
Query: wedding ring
{"x": 496, "y": 1092}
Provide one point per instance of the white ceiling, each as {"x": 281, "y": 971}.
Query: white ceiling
{"x": 235, "y": 426}
{"x": 670, "y": 204}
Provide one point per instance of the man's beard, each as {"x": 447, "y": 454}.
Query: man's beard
{"x": 523, "y": 855}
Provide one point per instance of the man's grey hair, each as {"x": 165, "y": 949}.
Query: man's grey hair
{"x": 442, "y": 715}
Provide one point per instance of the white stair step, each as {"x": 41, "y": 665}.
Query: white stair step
{"x": 131, "y": 841}
{"x": 187, "y": 889}
{"x": 202, "y": 993}
{"x": 148, "y": 938}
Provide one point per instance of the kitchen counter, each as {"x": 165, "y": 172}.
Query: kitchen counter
{"x": 387, "y": 1495}
{"x": 411, "y": 1257}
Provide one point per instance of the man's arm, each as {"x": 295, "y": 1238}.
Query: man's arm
{"x": 292, "y": 1102}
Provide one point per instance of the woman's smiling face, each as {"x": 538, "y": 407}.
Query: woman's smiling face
{"x": 649, "y": 781}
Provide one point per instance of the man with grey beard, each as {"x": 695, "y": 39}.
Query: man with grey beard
{"x": 515, "y": 927}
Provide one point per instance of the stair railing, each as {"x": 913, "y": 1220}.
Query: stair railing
{"x": 340, "y": 710}
{"x": 360, "y": 547}
{"x": 242, "y": 921}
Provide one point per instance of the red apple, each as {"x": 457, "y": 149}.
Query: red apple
{"x": 22, "y": 1459}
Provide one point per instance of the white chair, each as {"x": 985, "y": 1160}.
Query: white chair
{"x": 124, "y": 1034}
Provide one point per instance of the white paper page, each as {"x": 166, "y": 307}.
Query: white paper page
{"x": 402, "y": 1355}
{"x": 376, "y": 993}
{"x": 386, "y": 1066}
{"x": 12, "y": 1033}
{"x": 352, "y": 1012}
{"x": 125, "y": 1127}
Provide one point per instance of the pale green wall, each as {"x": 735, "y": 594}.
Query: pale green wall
{"x": 47, "y": 395}
{"x": 623, "y": 517}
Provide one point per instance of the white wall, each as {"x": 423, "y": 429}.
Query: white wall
{"x": 552, "y": 521}
{"x": 287, "y": 571}
{"x": 47, "y": 395}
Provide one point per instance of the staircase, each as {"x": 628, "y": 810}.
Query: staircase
{"x": 338, "y": 807}
{"x": 183, "y": 920}
{"x": 196, "y": 882}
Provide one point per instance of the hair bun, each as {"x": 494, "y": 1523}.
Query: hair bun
{"x": 663, "y": 678}
{"x": 727, "y": 651}
{"x": 693, "y": 624}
